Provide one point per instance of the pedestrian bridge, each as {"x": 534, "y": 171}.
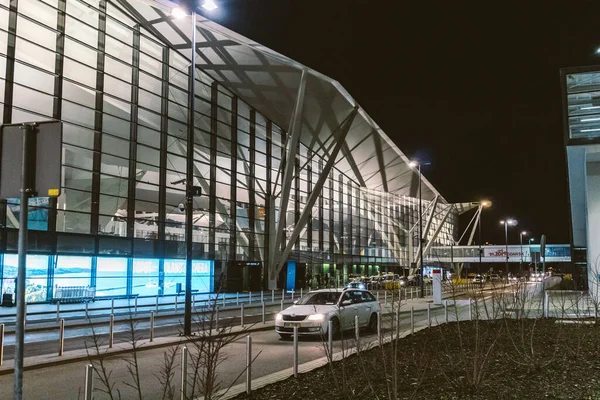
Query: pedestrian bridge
{"x": 516, "y": 253}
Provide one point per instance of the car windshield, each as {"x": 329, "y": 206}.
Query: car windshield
{"x": 319, "y": 298}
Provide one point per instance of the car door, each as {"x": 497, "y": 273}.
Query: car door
{"x": 348, "y": 312}
{"x": 367, "y": 307}
{"x": 360, "y": 307}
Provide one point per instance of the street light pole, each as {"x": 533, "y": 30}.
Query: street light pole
{"x": 521, "y": 234}
{"x": 422, "y": 293}
{"x": 189, "y": 209}
{"x": 507, "y": 222}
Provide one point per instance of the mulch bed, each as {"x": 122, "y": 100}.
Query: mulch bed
{"x": 502, "y": 359}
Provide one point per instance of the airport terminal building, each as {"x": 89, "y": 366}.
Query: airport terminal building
{"x": 581, "y": 119}
{"x": 295, "y": 175}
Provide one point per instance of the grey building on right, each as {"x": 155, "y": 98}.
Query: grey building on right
{"x": 581, "y": 122}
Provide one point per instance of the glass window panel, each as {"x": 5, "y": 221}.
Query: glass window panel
{"x": 148, "y": 136}
{"x": 38, "y": 11}
{"x": 115, "y": 146}
{"x": 32, "y": 100}
{"x": 111, "y": 276}
{"x": 73, "y": 271}
{"x": 79, "y": 94}
{"x": 117, "y": 69}
{"x": 114, "y": 165}
{"x": 150, "y": 47}
{"x": 150, "y": 83}
{"x": 115, "y": 126}
{"x": 79, "y": 73}
{"x": 149, "y": 118}
{"x": 119, "y": 89}
{"x": 81, "y": 53}
{"x": 149, "y": 100}
{"x": 118, "y": 49}
{"x": 150, "y": 65}
{"x": 77, "y": 29}
{"x": 149, "y": 155}
{"x": 77, "y": 178}
{"x": 35, "y": 55}
{"x": 145, "y": 277}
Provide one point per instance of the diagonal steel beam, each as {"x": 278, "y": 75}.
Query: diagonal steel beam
{"x": 432, "y": 207}
{"x": 292, "y": 149}
{"x": 316, "y": 190}
{"x": 379, "y": 156}
{"x": 438, "y": 229}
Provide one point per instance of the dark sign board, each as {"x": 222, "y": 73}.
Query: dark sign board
{"x": 44, "y": 155}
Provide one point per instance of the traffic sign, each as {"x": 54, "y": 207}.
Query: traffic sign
{"x": 44, "y": 157}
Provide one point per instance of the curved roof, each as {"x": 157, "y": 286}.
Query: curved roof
{"x": 269, "y": 82}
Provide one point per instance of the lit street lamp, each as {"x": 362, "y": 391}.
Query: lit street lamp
{"x": 506, "y": 223}
{"x": 521, "y": 234}
{"x": 413, "y": 164}
{"x": 483, "y": 204}
{"x": 531, "y": 240}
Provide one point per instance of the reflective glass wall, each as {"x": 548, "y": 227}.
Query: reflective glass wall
{"x": 118, "y": 225}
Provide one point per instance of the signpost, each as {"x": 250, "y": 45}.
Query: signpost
{"x": 30, "y": 166}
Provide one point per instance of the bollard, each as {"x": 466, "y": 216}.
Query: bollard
{"x": 57, "y": 311}
{"x": 237, "y": 299}
{"x": 300, "y": 292}
{"x": 292, "y": 294}
{"x": 135, "y": 308}
{"x": 411, "y": 293}
{"x": 157, "y": 304}
{"x": 111, "y": 328}
{"x": 470, "y": 310}
{"x": 184, "y": 373}
{"x": 249, "y": 364}
{"x": 272, "y": 295}
{"x": 151, "y": 326}
{"x": 546, "y": 304}
{"x": 176, "y": 302}
{"x": 1, "y": 344}
{"x": 61, "y": 338}
{"x": 281, "y": 305}
{"x": 377, "y": 297}
{"x": 242, "y": 315}
{"x": 89, "y": 382}
{"x": 282, "y": 294}
{"x": 87, "y": 315}
{"x": 356, "y": 330}
{"x": 330, "y": 339}
{"x": 112, "y": 306}
{"x": 446, "y": 311}
{"x": 262, "y": 297}
{"x": 216, "y": 317}
{"x": 385, "y": 297}
{"x": 379, "y": 326}
{"x": 412, "y": 320}
{"x": 295, "y": 368}
{"x": 249, "y": 297}
{"x": 429, "y": 315}
{"x": 263, "y": 312}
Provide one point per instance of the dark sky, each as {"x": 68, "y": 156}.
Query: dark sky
{"x": 471, "y": 86}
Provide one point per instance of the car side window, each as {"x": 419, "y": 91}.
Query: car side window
{"x": 366, "y": 297}
{"x": 346, "y": 296}
{"x": 356, "y": 297}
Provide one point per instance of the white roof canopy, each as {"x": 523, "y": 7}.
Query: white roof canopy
{"x": 269, "y": 82}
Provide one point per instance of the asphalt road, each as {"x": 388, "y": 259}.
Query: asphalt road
{"x": 66, "y": 381}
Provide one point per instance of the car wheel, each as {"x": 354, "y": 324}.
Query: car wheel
{"x": 335, "y": 327}
{"x": 373, "y": 323}
{"x": 285, "y": 336}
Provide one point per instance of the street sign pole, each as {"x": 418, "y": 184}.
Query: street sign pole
{"x": 26, "y": 192}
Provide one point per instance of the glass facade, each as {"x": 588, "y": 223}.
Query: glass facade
{"x": 122, "y": 95}
{"x": 583, "y": 104}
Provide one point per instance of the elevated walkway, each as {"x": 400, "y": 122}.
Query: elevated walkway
{"x": 516, "y": 253}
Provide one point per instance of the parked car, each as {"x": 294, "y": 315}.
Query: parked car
{"x": 479, "y": 279}
{"x": 312, "y": 313}
{"x": 495, "y": 278}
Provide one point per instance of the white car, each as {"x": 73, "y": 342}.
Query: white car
{"x": 312, "y": 313}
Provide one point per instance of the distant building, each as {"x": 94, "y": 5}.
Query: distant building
{"x": 581, "y": 121}
{"x": 325, "y": 193}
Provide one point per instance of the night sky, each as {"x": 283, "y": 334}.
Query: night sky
{"x": 472, "y": 87}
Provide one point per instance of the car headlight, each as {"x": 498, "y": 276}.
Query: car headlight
{"x": 279, "y": 317}
{"x": 316, "y": 317}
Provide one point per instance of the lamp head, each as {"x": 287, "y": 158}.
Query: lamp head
{"x": 486, "y": 203}
{"x": 178, "y": 13}
{"x": 413, "y": 164}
